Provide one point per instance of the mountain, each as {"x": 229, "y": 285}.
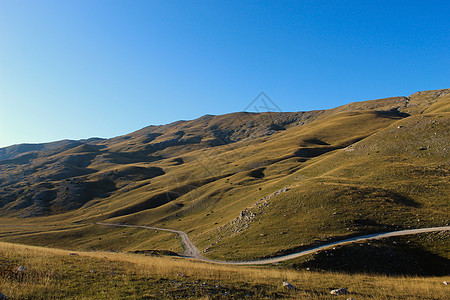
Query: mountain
{"x": 243, "y": 185}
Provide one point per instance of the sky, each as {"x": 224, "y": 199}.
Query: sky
{"x": 76, "y": 69}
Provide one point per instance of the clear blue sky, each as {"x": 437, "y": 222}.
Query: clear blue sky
{"x": 79, "y": 69}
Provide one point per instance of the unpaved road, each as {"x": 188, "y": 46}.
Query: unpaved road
{"x": 190, "y": 249}
{"x": 192, "y": 252}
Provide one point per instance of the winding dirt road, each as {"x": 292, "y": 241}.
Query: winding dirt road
{"x": 192, "y": 252}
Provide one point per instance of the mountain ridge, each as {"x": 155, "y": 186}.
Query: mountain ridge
{"x": 152, "y": 143}
{"x": 364, "y": 167}
{"x": 401, "y": 103}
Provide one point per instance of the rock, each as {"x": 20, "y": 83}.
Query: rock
{"x": 74, "y": 254}
{"x": 342, "y": 291}
{"x": 21, "y": 269}
{"x": 3, "y": 297}
{"x": 350, "y": 299}
{"x": 446, "y": 282}
{"x": 287, "y": 285}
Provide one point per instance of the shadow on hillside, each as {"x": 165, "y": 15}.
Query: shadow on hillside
{"x": 388, "y": 196}
{"x": 155, "y": 252}
{"x": 380, "y": 195}
{"x": 132, "y": 157}
{"x": 308, "y": 152}
{"x": 153, "y": 202}
{"x": 257, "y": 173}
{"x": 379, "y": 257}
{"x": 164, "y": 197}
{"x": 177, "y": 161}
{"x": 314, "y": 141}
{"x": 402, "y": 199}
{"x": 393, "y": 113}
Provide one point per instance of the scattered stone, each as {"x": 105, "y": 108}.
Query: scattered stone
{"x": 74, "y": 254}
{"x": 246, "y": 216}
{"x": 446, "y": 282}
{"x": 350, "y": 299}
{"x": 287, "y": 285}
{"x": 21, "y": 269}
{"x": 342, "y": 291}
{"x": 181, "y": 275}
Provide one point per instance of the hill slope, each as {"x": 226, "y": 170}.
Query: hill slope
{"x": 242, "y": 185}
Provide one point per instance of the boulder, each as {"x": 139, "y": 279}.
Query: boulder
{"x": 287, "y": 285}
{"x": 21, "y": 269}
{"x": 3, "y": 297}
{"x": 342, "y": 291}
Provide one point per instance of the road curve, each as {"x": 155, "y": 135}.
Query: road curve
{"x": 192, "y": 252}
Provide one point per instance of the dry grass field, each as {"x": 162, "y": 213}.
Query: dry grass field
{"x": 54, "y": 274}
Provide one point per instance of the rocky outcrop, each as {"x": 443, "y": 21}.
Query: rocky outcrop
{"x": 245, "y": 218}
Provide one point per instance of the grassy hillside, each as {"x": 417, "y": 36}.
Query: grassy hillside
{"x": 241, "y": 185}
{"x": 52, "y": 273}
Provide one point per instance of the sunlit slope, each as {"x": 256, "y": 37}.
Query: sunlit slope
{"x": 207, "y": 131}
{"x": 334, "y": 191}
{"x": 396, "y": 178}
{"x": 238, "y": 169}
{"x": 45, "y": 179}
{"x": 370, "y": 166}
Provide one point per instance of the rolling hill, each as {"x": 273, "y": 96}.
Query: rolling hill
{"x": 242, "y": 185}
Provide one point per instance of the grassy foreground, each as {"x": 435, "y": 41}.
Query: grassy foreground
{"x": 54, "y": 274}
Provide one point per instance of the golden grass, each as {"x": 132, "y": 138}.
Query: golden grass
{"x": 53, "y": 273}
